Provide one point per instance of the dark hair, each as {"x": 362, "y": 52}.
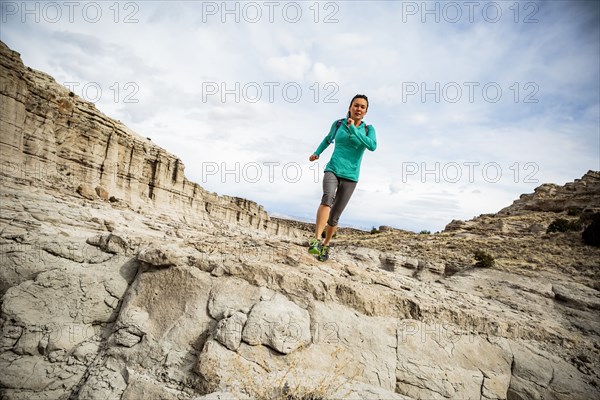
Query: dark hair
{"x": 358, "y": 96}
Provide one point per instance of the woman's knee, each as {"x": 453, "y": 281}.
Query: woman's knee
{"x": 330, "y": 184}
{"x": 327, "y": 199}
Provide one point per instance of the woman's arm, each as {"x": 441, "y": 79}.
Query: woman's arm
{"x": 370, "y": 140}
{"x": 325, "y": 143}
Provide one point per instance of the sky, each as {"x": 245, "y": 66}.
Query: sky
{"x": 473, "y": 103}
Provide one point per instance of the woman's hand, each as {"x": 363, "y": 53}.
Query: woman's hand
{"x": 313, "y": 157}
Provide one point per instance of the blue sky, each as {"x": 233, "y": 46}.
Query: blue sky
{"x": 474, "y": 103}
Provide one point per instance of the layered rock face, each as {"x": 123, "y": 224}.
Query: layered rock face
{"x": 532, "y": 212}
{"x": 169, "y": 292}
{"x": 580, "y": 195}
{"x": 53, "y": 138}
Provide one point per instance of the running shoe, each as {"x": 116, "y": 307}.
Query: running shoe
{"x": 314, "y": 246}
{"x": 324, "y": 253}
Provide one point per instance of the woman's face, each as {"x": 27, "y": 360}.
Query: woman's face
{"x": 358, "y": 109}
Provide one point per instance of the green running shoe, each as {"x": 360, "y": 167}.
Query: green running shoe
{"x": 314, "y": 246}
{"x": 324, "y": 253}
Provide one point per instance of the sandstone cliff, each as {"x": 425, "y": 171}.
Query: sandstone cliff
{"x": 53, "y": 138}
{"x": 578, "y": 196}
{"x": 170, "y": 292}
{"x": 533, "y": 212}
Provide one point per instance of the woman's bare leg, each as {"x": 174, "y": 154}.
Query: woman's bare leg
{"x": 322, "y": 216}
{"x": 329, "y": 234}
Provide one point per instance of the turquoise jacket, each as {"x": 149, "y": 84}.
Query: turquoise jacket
{"x": 350, "y": 145}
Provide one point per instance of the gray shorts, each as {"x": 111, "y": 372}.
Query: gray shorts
{"x": 336, "y": 194}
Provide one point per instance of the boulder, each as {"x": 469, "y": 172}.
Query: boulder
{"x": 102, "y": 193}
{"x": 278, "y": 323}
{"x": 86, "y": 191}
{"x": 229, "y": 330}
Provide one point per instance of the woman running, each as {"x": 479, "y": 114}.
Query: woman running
{"x": 351, "y": 137}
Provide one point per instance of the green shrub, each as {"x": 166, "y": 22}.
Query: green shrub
{"x": 563, "y": 225}
{"x": 484, "y": 260}
{"x": 591, "y": 234}
{"x": 374, "y": 230}
{"x": 425, "y": 232}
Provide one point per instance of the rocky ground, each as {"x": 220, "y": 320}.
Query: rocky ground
{"x": 102, "y": 301}
{"x": 145, "y": 286}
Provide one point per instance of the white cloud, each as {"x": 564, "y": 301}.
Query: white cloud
{"x": 419, "y": 119}
{"x": 323, "y": 74}
{"x": 293, "y": 67}
{"x": 350, "y": 40}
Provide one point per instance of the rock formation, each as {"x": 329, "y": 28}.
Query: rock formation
{"x": 533, "y": 212}
{"x": 578, "y": 196}
{"x": 52, "y": 137}
{"x": 121, "y": 279}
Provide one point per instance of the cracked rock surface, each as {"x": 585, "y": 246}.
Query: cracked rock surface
{"x": 139, "y": 284}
